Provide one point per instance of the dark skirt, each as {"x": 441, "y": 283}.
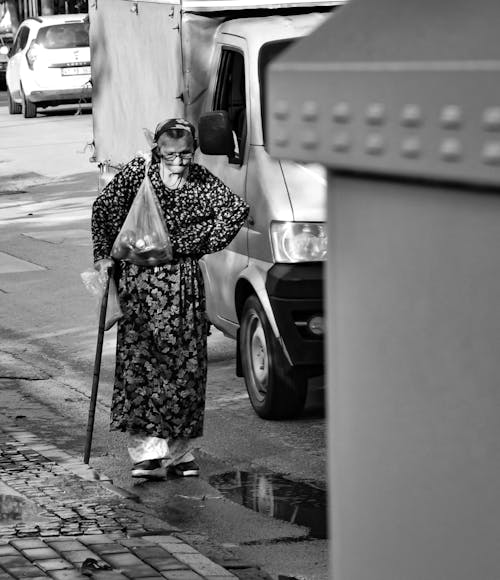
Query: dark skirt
{"x": 161, "y": 352}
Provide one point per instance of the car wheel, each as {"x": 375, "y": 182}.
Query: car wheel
{"x": 277, "y": 390}
{"x": 29, "y": 108}
{"x": 14, "y": 108}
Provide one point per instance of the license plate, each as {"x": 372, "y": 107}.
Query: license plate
{"x": 75, "y": 70}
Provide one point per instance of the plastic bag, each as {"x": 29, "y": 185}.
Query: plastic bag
{"x": 95, "y": 282}
{"x": 143, "y": 238}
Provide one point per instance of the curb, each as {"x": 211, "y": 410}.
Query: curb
{"x": 79, "y": 514}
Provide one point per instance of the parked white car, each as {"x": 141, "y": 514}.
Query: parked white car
{"x": 49, "y": 63}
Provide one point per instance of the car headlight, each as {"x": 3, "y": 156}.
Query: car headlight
{"x": 299, "y": 241}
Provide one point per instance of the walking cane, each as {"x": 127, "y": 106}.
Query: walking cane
{"x": 97, "y": 368}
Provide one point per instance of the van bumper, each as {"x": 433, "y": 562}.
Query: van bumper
{"x": 296, "y": 295}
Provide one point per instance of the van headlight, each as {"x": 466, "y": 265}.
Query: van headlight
{"x": 298, "y": 241}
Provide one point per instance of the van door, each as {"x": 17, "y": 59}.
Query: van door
{"x": 223, "y": 268}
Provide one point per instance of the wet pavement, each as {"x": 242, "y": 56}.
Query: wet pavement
{"x": 207, "y": 513}
{"x": 57, "y": 514}
{"x": 276, "y": 496}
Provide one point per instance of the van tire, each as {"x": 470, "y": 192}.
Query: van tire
{"x": 14, "y": 108}
{"x": 277, "y": 390}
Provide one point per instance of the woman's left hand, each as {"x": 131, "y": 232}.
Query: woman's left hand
{"x": 103, "y": 265}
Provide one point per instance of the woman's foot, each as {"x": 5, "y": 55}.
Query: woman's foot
{"x": 148, "y": 468}
{"x": 186, "y": 469}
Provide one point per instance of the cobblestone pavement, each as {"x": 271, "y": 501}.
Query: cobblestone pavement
{"x": 48, "y": 495}
{"x": 55, "y": 513}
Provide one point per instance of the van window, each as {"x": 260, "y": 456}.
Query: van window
{"x": 230, "y": 95}
{"x": 69, "y": 35}
{"x": 268, "y": 52}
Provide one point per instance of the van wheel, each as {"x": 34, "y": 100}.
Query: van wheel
{"x": 14, "y": 108}
{"x": 29, "y": 108}
{"x": 277, "y": 390}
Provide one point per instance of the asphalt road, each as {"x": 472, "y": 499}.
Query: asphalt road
{"x": 48, "y": 326}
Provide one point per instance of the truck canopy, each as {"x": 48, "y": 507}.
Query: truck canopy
{"x": 219, "y": 5}
{"x": 151, "y": 60}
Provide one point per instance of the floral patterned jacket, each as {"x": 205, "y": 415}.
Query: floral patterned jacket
{"x": 202, "y": 217}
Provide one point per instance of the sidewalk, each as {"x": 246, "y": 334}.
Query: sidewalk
{"x": 51, "y": 530}
{"x": 56, "y": 512}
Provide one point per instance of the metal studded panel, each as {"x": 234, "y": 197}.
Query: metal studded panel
{"x": 432, "y": 120}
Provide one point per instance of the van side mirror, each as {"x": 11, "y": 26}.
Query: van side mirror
{"x": 216, "y": 135}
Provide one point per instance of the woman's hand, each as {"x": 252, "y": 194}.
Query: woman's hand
{"x": 103, "y": 265}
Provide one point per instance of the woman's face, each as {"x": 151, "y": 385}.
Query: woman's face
{"x": 176, "y": 154}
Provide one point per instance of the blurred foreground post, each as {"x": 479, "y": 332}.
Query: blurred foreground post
{"x": 401, "y": 100}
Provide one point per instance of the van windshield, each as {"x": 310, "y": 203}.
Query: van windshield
{"x": 68, "y": 35}
{"x": 268, "y": 52}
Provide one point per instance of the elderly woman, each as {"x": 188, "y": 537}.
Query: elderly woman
{"x": 161, "y": 354}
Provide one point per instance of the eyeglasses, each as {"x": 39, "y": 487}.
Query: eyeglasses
{"x": 184, "y": 155}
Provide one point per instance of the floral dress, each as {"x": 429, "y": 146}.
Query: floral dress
{"x": 161, "y": 353}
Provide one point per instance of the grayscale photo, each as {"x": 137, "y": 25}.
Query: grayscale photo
{"x": 248, "y": 282}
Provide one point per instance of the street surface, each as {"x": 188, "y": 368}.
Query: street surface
{"x": 48, "y": 327}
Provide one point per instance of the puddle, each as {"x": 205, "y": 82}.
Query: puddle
{"x": 275, "y": 496}
{"x": 15, "y": 508}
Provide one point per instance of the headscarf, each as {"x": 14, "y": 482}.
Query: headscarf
{"x": 178, "y": 123}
